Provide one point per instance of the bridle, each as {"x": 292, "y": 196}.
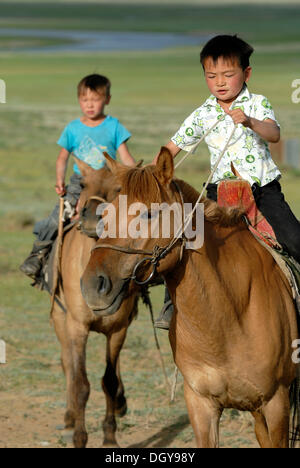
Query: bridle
{"x": 153, "y": 258}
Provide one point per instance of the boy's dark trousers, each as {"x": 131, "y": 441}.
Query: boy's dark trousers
{"x": 271, "y": 203}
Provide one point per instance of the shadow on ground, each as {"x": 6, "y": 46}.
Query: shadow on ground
{"x": 165, "y": 436}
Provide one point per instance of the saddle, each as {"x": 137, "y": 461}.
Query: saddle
{"x": 237, "y": 193}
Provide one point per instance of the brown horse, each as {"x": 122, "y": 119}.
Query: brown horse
{"x": 73, "y": 327}
{"x": 234, "y": 320}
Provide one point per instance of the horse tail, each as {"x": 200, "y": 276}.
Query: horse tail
{"x": 295, "y": 409}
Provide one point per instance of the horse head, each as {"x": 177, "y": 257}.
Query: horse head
{"x": 145, "y": 190}
{"x": 98, "y": 186}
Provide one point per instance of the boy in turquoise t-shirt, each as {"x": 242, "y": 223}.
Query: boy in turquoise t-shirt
{"x": 87, "y": 138}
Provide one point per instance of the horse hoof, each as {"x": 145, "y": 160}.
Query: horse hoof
{"x": 110, "y": 445}
{"x": 80, "y": 439}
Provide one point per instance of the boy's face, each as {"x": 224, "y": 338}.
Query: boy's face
{"x": 92, "y": 103}
{"x": 225, "y": 78}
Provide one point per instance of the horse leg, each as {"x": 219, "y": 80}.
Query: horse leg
{"x": 59, "y": 321}
{"x": 78, "y": 387}
{"x": 205, "y": 418}
{"x": 261, "y": 430}
{"x": 112, "y": 387}
{"x": 277, "y": 415}
{"x": 121, "y": 403}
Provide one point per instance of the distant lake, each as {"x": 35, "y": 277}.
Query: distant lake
{"x": 93, "y": 41}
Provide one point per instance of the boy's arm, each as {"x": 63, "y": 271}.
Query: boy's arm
{"x": 61, "y": 167}
{"x": 125, "y": 155}
{"x": 174, "y": 150}
{"x": 266, "y": 129}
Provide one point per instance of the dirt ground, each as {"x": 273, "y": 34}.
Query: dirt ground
{"x": 25, "y": 424}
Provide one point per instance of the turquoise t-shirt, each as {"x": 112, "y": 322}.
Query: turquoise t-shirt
{"x": 88, "y": 143}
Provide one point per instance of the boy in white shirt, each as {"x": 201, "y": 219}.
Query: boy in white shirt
{"x": 225, "y": 61}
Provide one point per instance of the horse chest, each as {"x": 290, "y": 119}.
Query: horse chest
{"x": 228, "y": 390}
{"x": 206, "y": 381}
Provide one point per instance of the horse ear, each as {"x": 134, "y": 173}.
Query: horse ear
{"x": 111, "y": 163}
{"x": 140, "y": 163}
{"x": 84, "y": 168}
{"x": 165, "y": 166}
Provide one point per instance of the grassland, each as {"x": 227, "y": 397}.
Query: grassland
{"x": 152, "y": 94}
{"x": 257, "y": 22}
{"x": 10, "y": 43}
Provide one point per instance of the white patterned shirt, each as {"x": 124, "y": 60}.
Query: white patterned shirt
{"x": 248, "y": 152}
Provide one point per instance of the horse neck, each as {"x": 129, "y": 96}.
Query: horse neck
{"x": 190, "y": 195}
{"x": 77, "y": 246}
{"x": 206, "y": 275}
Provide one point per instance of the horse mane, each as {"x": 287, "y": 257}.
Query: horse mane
{"x": 141, "y": 184}
{"x": 213, "y": 213}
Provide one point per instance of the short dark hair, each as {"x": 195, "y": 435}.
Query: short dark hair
{"x": 98, "y": 83}
{"x": 228, "y": 47}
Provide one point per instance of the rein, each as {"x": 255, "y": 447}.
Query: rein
{"x": 95, "y": 197}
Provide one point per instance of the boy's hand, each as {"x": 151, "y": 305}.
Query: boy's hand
{"x": 267, "y": 129}
{"x": 239, "y": 117}
{"x": 60, "y": 189}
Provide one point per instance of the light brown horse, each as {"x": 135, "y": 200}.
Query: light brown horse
{"x": 234, "y": 320}
{"x": 73, "y": 327}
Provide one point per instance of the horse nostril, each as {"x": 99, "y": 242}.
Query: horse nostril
{"x": 104, "y": 285}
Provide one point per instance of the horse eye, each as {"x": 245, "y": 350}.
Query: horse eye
{"x": 82, "y": 185}
{"x": 146, "y": 215}
{"x": 149, "y": 215}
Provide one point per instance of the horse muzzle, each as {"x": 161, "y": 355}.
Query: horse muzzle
{"x": 101, "y": 295}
